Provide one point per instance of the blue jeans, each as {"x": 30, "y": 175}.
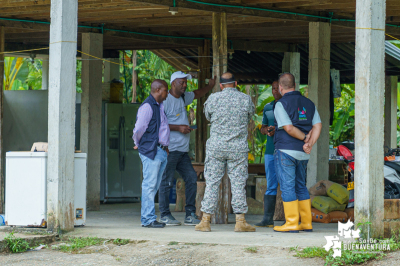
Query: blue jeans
{"x": 178, "y": 161}
{"x": 291, "y": 175}
{"x": 272, "y": 182}
{"x": 152, "y": 174}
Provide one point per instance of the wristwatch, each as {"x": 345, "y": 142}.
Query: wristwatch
{"x": 305, "y": 136}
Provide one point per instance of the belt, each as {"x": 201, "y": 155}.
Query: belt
{"x": 162, "y": 147}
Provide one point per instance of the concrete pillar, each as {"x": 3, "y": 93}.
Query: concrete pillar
{"x": 111, "y": 71}
{"x": 318, "y": 92}
{"x": 369, "y": 90}
{"x": 2, "y": 48}
{"x": 92, "y": 44}
{"x": 45, "y": 73}
{"x": 391, "y": 111}
{"x": 61, "y": 137}
{"x": 291, "y": 63}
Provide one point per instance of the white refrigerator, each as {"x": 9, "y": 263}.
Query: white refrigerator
{"x": 26, "y": 193}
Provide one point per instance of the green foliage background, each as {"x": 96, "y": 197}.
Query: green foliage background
{"x": 150, "y": 67}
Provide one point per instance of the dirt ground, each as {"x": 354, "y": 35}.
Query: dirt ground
{"x": 160, "y": 253}
{"x": 167, "y": 253}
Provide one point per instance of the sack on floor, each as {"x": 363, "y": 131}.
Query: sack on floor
{"x": 337, "y": 216}
{"x": 326, "y": 204}
{"x": 350, "y": 213}
{"x": 336, "y": 192}
{"x": 332, "y": 217}
{"x": 319, "y": 217}
{"x": 318, "y": 189}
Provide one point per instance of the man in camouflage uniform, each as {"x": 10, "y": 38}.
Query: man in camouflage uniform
{"x": 229, "y": 113}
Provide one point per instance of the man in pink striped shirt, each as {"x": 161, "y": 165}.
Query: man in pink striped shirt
{"x": 151, "y": 137}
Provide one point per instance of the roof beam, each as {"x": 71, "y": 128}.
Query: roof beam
{"x": 148, "y": 37}
{"x": 267, "y": 47}
{"x": 226, "y": 7}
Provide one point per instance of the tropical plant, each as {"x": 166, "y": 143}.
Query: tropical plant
{"x": 34, "y": 79}
{"x": 15, "y": 68}
{"x": 343, "y": 124}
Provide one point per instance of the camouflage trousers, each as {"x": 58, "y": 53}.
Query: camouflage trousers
{"x": 236, "y": 164}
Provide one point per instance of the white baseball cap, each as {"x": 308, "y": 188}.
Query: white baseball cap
{"x": 180, "y": 75}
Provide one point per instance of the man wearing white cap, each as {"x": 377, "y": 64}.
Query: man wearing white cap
{"x": 178, "y": 158}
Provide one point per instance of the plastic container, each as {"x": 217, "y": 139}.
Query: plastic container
{"x": 2, "y": 219}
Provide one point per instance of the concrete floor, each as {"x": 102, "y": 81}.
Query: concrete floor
{"x": 123, "y": 221}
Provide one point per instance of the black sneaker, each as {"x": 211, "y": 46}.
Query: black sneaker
{"x": 169, "y": 220}
{"x": 192, "y": 219}
{"x": 154, "y": 224}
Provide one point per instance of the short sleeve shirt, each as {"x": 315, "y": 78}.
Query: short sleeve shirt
{"x": 175, "y": 109}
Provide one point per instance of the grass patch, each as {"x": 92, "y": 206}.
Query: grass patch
{"x": 294, "y": 248}
{"x": 120, "y": 242}
{"x": 193, "y": 244}
{"x": 349, "y": 257}
{"x": 312, "y": 252}
{"x": 172, "y": 243}
{"x": 74, "y": 244}
{"x": 251, "y": 249}
{"x": 16, "y": 244}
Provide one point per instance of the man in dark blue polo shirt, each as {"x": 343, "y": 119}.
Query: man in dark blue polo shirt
{"x": 298, "y": 127}
{"x": 268, "y": 128}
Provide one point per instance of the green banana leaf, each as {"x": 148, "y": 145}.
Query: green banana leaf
{"x": 264, "y": 95}
{"x": 260, "y": 137}
{"x": 261, "y": 106}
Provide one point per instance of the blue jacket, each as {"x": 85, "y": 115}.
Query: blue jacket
{"x": 149, "y": 141}
{"x": 301, "y": 112}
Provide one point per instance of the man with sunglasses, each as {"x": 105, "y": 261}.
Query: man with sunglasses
{"x": 178, "y": 158}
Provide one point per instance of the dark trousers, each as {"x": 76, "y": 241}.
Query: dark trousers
{"x": 180, "y": 162}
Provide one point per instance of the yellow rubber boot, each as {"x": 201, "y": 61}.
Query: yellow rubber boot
{"x": 204, "y": 225}
{"x": 292, "y": 218}
{"x": 242, "y": 225}
{"x": 305, "y": 214}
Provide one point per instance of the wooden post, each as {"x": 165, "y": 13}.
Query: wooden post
{"x": 220, "y": 65}
{"x": 2, "y": 46}
{"x": 369, "y": 88}
{"x": 201, "y": 187}
{"x": 201, "y": 121}
{"x": 134, "y": 75}
{"x": 180, "y": 195}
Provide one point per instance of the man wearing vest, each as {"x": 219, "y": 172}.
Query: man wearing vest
{"x": 229, "y": 113}
{"x": 151, "y": 137}
{"x": 178, "y": 158}
{"x": 298, "y": 127}
{"x": 268, "y": 128}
